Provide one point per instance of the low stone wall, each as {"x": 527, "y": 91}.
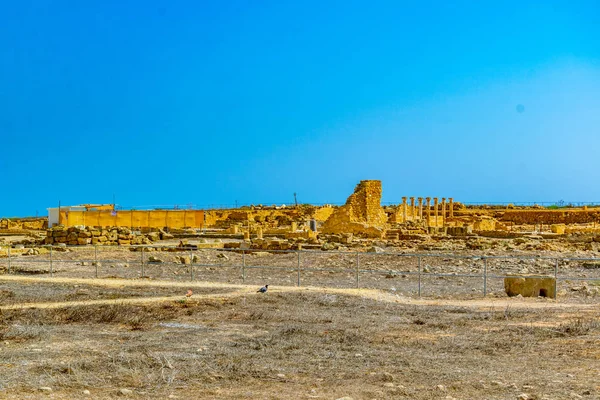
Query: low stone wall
{"x": 97, "y": 236}
{"x": 36, "y": 224}
{"x": 531, "y": 217}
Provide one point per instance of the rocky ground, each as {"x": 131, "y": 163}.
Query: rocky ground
{"x": 290, "y": 343}
{"x": 390, "y": 266}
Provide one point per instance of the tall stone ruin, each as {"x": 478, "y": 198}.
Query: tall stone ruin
{"x": 362, "y": 214}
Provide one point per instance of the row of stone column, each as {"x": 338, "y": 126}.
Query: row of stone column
{"x": 428, "y": 208}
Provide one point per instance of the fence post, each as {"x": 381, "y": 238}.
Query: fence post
{"x": 484, "y": 276}
{"x": 143, "y": 261}
{"x": 419, "y": 269}
{"x": 243, "y": 265}
{"x": 357, "y": 269}
{"x": 9, "y": 266}
{"x": 298, "y": 283}
{"x": 191, "y": 264}
{"x": 555, "y": 276}
{"x": 96, "y": 259}
{"x": 51, "y": 269}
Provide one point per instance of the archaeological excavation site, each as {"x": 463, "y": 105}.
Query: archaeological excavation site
{"x": 423, "y": 246}
{"x": 362, "y": 298}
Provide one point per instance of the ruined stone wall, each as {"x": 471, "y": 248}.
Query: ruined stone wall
{"x": 82, "y": 236}
{"x": 362, "y": 214}
{"x": 225, "y": 218}
{"x": 24, "y": 223}
{"x": 531, "y": 217}
{"x": 321, "y": 214}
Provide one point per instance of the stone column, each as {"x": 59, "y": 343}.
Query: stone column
{"x": 246, "y": 235}
{"x": 451, "y": 200}
{"x": 435, "y": 210}
{"x": 412, "y": 208}
{"x": 259, "y": 232}
{"x": 294, "y": 226}
{"x": 420, "y": 200}
{"x": 443, "y": 211}
{"x": 404, "y": 209}
{"x": 428, "y": 205}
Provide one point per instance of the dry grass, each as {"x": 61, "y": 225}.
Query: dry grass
{"x": 298, "y": 345}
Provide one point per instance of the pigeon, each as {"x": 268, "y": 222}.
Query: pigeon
{"x": 189, "y": 293}
{"x": 263, "y": 289}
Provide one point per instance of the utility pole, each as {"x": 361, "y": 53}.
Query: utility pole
{"x": 295, "y": 200}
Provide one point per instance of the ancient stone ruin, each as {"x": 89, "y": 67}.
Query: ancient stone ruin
{"x": 530, "y": 286}
{"x": 362, "y": 215}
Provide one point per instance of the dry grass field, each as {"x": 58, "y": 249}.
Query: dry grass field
{"x": 74, "y": 339}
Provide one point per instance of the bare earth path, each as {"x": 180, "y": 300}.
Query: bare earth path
{"x": 242, "y": 290}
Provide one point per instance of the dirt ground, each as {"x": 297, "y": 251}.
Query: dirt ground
{"x": 461, "y": 272}
{"x": 227, "y": 341}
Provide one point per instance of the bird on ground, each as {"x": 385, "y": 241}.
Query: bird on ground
{"x": 263, "y": 289}
{"x": 189, "y": 293}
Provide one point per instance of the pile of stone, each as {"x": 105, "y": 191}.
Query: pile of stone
{"x": 82, "y": 236}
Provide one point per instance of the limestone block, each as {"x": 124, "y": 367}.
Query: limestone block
{"x": 530, "y": 285}
{"x": 558, "y": 228}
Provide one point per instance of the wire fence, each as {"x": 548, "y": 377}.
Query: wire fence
{"x": 225, "y": 206}
{"x": 413, "y": 274}
{"x": 283, "y": 204}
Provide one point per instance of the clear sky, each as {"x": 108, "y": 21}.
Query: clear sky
{"x": 177, "y": 102}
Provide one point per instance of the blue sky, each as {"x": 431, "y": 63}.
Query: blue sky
{"x": 178, "y": 102}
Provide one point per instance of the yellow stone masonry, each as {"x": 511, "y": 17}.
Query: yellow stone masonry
{"x": 362, "y": 214}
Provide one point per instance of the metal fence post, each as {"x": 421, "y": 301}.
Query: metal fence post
{"x": 243, "y": 266}
{"x": 51, "y": 268}
{"x": 419, "y": 269}
{"x": 357, "y": 269}
{"x": 143, "y": 261}
{"x": 484, "y": 276}
{"x": 555, "y": 276}
{"x": 191, "y": 265}
{"x": 96, "y": 259}
{"x": 9, "y": 266}
{"x": 298, "y": 283}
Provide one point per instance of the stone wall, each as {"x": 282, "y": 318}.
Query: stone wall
{"x": 520, "y": 217}
{"x": 73, "y": 236}
{"x": 225, "y": 218}
{"x": 24, "y": 223}
{"x": 361, "y": 215}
